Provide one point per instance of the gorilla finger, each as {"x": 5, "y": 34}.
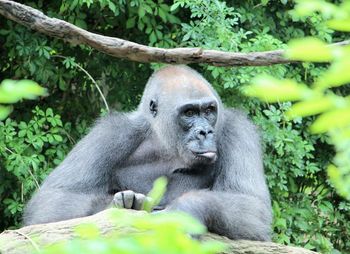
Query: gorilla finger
{"x": 128, "y": 198}
{"x": 118, "y": 200}
{"x": 138, "y": 201}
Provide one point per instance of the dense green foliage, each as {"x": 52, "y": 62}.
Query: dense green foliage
{"x": 307, "y": 210}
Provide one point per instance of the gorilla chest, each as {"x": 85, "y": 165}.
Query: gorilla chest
{"x": 140, "y": 178}
{"x": 149, "y": 162}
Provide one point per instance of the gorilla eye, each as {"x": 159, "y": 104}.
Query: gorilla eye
{"x": 189, "y": 112}
{"x": 210, "y": 109}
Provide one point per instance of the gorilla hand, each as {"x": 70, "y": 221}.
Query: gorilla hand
{"x": 129, "y": 200}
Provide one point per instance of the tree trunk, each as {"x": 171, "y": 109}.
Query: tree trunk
{"x": 32, "y": 238}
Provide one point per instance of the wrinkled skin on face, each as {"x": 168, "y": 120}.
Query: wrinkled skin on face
{"x": 197, "y": 120}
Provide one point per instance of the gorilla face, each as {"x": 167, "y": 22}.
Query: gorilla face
{"x": 197, "y": 120}
{"x": 184, "y": 111}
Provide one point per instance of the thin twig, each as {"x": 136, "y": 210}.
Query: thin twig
{"x": 91, "y": 78}
{"x": 36, "y": 247}
{"x": 30, "y": 172}
{"x": 95, "y": 83}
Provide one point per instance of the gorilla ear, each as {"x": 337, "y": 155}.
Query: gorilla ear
{"x": 153, "y": 107}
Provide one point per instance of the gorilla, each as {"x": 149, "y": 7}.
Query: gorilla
{"x": 210, "y": 155}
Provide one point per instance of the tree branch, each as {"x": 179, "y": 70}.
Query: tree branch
{"x": 32, "y": 238}
{"x": 120, "y": 48}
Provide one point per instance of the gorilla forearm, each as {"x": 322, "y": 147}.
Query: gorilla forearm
{"x": 92, "y": 162}
{"x": 237, "y": 216}
{"x": 80, "y": 184}
{"x": 50, "y": 205}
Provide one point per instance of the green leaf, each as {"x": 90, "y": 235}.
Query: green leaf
{"x": 88, "y": 231}
{"x": 179, "y": 219}
{"x": 58, "y": 138}
{"x": 148, "y": 9}
{"x": 331, "y": 120}
{"x": 270, "y": 89}
{"x": 12, "y": 90}
{"x": 264, "y": 2}
{"x": 310, "y": 50}
{"x": 281, "y": 223}
{"x": 5, "y": 111}
{"x": 162, "y": 14}
{"x": 49, "y": 112}
{"x": 156, "y": 194}
{"x": 338, "y": 74}
{"x": 175, "y": 6}
{"x": 339, "y": 24}
{"x": 337, "y": 178}
{"x": 130, "y": 23}
{"x": 311, "y": 107}
{"x": 113, "y": 7}
{"x": 30, "y": 89}
{"x": 141, "y": 12}
{"x": 81, "y": 23}
{"x": 153, "y": 37}
{"x": 22, "y": 133}
{"x": 74, "y": 4}
{"x": 307, "y": 8}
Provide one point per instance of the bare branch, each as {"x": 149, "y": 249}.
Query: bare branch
{"x": 120, "y": 48}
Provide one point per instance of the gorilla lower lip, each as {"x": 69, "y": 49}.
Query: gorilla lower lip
{"x": 209, "y": 155}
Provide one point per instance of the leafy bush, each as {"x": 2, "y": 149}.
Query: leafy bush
{"x": 28, "y": 152}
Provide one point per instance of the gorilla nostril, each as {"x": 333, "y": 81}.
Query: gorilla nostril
{"x": 210, "y": 132}
{"x": 202, "y": 133}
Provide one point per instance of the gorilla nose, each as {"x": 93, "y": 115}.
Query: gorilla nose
{"x": 203, "y": 133}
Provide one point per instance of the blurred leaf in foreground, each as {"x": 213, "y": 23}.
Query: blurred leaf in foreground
{"x": 309, "y": 50}
{"x": 331, "y": 120}
{"x": 5, "y": 111}
{"x": 338, "y": 73}
{"x": 331, "y": 107}
{"x": 339, "y": 24}
{"x": 156, "y": 194}
{"x": 270, "y": 89}
{"x": 11, "y": 91}
{"x": 313, "y": 106}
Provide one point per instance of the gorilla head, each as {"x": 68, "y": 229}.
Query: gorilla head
{"x": 184, "y": 111}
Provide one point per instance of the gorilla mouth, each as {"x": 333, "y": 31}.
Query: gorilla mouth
{"x": 211, "y": 155}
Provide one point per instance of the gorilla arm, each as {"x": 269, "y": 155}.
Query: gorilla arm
{"x": 238, "y": 205}
{"x": 79, "y": 186}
